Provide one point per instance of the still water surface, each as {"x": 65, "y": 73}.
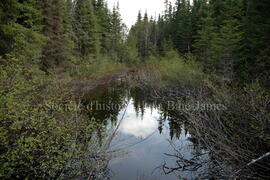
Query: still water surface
{"x": 146, "y": 136}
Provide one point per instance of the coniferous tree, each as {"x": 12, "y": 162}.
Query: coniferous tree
{"x": 69, "y": 34}
{"x": 146, "y": 35}
{"x": 160, "y": 35}
{"x": 204, "y": 45}
{"x": 229, "y": 41}
{"x": 131, "y": 44}
{"x": 20, "y": 29}
{"x": 198, "y": 13}
{"x": 218, "y": 45}
{"x": 255, "y": 52}
{"x": 182, "y": 28}
{"x": 139, "y": 30}
{"x": 87, "y": 29}
{"x": 104, "y": 20}
{"x": 53, "y": 53}
{"x": 153, "y": 36}
{"x": 116, "y": 29}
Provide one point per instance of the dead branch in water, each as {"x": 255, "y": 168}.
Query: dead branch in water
{"x": 254, "y": 161}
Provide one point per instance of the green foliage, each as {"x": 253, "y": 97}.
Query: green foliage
{"x": 145, "y": 32}
{"x": 228, "y": 37}
{"x": 25, "y": 126}
{"x": 36, "y": 139}
{"x": 96, "y": 69}
{"x": 53, "y": 53}
{"x": 255, "y": 48}
{"x": 87, "y": 28}
{"x": 218, "y": 46}
{"x": 181, "y": 27}
{"x": 204, "y": 45}
{"x": 20, "y": 29}
{"x": 181, "y": 71}
{"x": 104, "y": 20}
{"x": 117, "y": 29}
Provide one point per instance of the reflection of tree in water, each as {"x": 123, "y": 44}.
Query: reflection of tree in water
{"x": 106, "y": 104}
{"x": 140, "y": 100}
{"x": 143, "y": 99}
{"x": 91, "y": 148}
{"x": 120, "y": 95}
{"x": 199, "y": 163}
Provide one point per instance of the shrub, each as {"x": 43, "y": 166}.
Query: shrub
{"x": 181, "y": 72}
{"x": 36, "y": 141}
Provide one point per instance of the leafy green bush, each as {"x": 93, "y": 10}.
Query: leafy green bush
{"x": 89, "y": 68}
{"x": 35, "y": 140}
{"x": 181, "y": 71}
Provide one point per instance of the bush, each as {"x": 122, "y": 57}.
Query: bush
{"x": 89, "y": 68}
{"x": 36, "y": 141}
{"x": 181, "y": 72}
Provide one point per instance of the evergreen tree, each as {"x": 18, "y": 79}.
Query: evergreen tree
{"x": 104, "y": 20}
{"x": 153, "y": 36}
{"x": 69, "y": 34}
{"x": 146, "y": 35}
{"x": 204, "y": 45}
{"x": 20, "y": 29}
{"x": 53, "y": 53}
{"x": 87, "y": 29}
{"x": 255, "y": 52}
{"x": 230, "y": 38}
{"x": 131, "y": 45}
{"x": 198, "y": 13}
{"x": 116, "y": 29}
{"x": 182, "y": 28}
{"x": 139, "y": 30}
{"x": 160, "y": 35}
{"x": 218, "y": 45}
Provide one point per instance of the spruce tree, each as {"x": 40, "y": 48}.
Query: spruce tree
{"x": 69, "y": 34}
{"x": 229, "y": 41}
{"x": 204, "y": 49}
{"x": 182, "y": 28}
{"x": 104, "y": 20}
{"x": 255, "y": 52}
{"x": 53, "y": 53}
{"x": 20, "y": 29}
{"x": 87, "y": 29}
{"x": 146, "y": 35}
{"x": 116, "y": 29}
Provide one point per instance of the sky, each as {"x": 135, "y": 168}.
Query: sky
{"x": 129, "y": 8}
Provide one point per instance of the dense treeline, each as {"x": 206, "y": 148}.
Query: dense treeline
{"x": 230, "y": 38}
{"x": 54, "y": 32}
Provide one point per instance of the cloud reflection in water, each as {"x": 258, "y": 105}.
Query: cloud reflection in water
{"x": 139, "y": 126}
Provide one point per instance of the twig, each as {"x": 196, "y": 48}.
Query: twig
{"x": 251, "y": 163}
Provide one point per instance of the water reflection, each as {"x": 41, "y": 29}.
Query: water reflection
{"x": 150, "y": 137}
{"x": 137, "y": 126}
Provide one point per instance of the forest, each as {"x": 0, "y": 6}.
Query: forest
{"x": 59, "y": 51}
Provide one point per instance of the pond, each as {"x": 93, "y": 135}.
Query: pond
{"x": 148, "y": 140}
